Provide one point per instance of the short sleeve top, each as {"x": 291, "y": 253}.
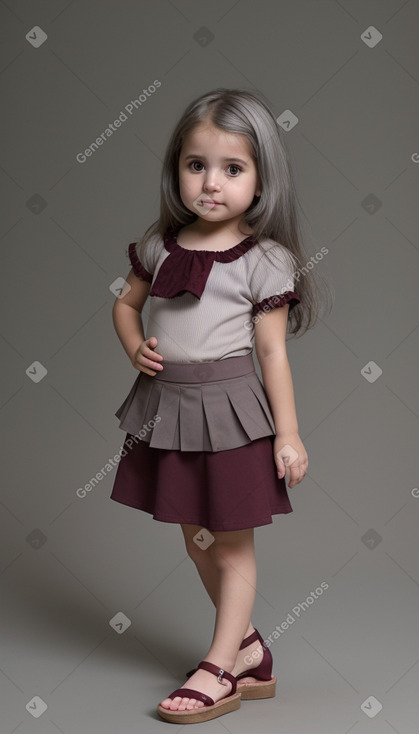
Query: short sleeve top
{"x": 204, "y": 304}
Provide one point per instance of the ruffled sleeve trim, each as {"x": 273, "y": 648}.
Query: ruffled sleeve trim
{"x": 277, "y": 301}
{"x": 138, "y": 268}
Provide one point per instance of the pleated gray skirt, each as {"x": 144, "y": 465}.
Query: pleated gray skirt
{"x": 199, "y": 446}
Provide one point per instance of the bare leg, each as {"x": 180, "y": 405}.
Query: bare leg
{"x": 206, "y": 567}
{"x": 204, "y": 562}
{"x": 233, "y": 555}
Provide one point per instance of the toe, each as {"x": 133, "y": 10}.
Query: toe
{"x": 166, "y": 703}
{"x": 181, "y": 704}
{"x": 174, "y": 703}
{"x": 194, "y": 704}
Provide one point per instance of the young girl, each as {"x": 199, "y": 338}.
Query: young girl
{"x": 207, "y": 444}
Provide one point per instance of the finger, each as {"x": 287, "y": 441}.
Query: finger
{"x": 294, "y": 476}
{"x": 146, "y": 365}
{"x": 154, "y": 357}
{"x": 303, "y": 470}
{"x": 152, "y": 342}
{"x": 300, "y": 473}
{"x": 279, "y": 464}
{"x": 155, "y": 366}
{"x": 151, "y": 355}
{"x": 151, "y": 362}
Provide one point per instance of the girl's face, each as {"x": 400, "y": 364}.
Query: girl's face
{"x": 218, "y": 177}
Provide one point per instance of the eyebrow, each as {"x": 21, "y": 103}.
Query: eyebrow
{"x": 194, "y": 155}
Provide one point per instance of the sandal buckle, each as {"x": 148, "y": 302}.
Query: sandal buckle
{"x": 220, "y": 675}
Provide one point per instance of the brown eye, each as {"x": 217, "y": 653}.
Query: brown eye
{"x": 233, "y": 165}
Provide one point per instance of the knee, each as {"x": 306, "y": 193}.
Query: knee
{"x": 230, "y": 549}
{"x": 223, "y": 554}
{"x": 195, "y": 552}
{"x": 216, "y": 554}
{"x": 225, "y": 550}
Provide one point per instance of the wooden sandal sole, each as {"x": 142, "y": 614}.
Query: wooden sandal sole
{"x": 253, "y": 690}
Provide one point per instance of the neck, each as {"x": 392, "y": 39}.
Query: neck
{"x": 204, "y": 228}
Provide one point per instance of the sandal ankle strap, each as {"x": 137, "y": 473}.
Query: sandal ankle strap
{"x": 220, "y": 673}
{"x": 252, "y": 638}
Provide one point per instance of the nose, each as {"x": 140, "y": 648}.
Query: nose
{"x": 211, "y": 182}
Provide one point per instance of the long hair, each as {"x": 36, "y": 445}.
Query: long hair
{"x": 273, "y": 215}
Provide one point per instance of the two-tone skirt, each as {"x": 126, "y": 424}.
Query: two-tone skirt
{"x": 199, "y": 447}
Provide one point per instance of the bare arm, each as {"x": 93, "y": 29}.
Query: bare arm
{"x": 126, "y": 314}
{"x": 270, "y": 332}
{"x": 278, "y": 384}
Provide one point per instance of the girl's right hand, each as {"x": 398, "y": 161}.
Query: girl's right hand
{"x": 145, "y": 359}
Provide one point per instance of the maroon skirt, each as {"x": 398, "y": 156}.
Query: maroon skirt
{"x": 199, "y": 447}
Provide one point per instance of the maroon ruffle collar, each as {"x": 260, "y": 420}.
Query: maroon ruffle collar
{"x": 188, "y": 270}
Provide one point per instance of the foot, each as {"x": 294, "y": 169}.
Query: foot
{"x": 204, "y": 682}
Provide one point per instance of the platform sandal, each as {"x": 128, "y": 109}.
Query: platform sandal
{"x": 211, "y": 709}
{"x": 261, "y": 683}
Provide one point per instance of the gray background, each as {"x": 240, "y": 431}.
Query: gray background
{"x": 70, "y": 564}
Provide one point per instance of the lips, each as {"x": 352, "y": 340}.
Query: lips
{"x": 209, "y": 201}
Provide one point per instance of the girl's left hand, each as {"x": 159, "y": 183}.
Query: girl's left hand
{"x": 290, "y": 456}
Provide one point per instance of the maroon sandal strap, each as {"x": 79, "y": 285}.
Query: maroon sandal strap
{"x": 220, "y": 673}
{"x": 191, "y": 693}
{"x": 248, "y": 640}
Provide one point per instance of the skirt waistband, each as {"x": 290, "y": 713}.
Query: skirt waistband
{"x": 221, "y": 369}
